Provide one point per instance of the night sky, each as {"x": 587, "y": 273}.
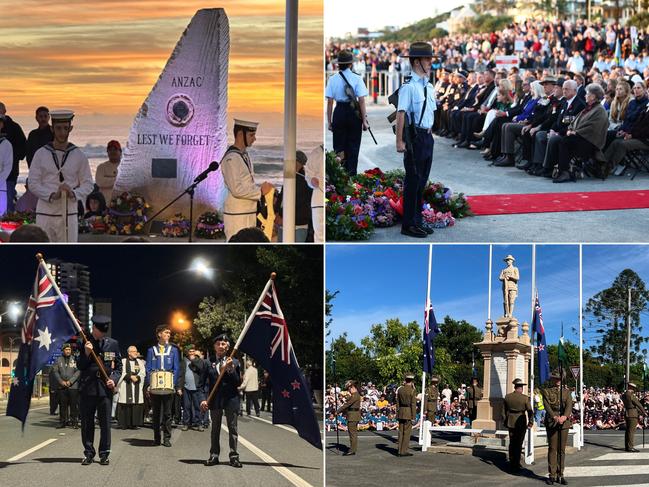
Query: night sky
{"x": 146, "y": 283}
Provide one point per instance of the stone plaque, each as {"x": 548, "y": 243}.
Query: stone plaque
{"x": 520, "y": 367}
{"x": 498, "y": 385}
{"x": 184, "y": 118}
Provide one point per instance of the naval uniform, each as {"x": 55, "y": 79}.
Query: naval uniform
{"x": 417, "y": 161}
{"x": 225, "y": 400}
{"x": 6, "y": 165}
{"x": 347, "y": 127}
{"x": 240, "y": 210}
{"x": 49, "y": 169}
{"x": 95, "y": 396}
{"x": 162, "y": 357}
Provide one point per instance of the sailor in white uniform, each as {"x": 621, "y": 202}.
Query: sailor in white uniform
{"x": 59, "y": 176}
{"x": 314, "y": 174}
{"x": 6, "y": 164}
{"x": 240, "y": 209}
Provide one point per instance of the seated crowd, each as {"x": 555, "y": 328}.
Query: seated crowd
{"x": 573, "y": 106}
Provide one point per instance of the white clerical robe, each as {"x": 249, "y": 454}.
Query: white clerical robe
{"x": 314, "y": 168}
{"x": 240, "y": 209}
{"x": 49, "y": 169}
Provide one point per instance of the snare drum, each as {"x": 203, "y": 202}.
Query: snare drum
{"x": 162, "y": 382}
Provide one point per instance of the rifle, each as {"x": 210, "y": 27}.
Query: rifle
{"x": 353, "y": 101}
{"x": 408, "y": 124}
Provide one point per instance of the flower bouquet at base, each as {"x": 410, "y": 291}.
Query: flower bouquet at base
{"x": 126, "y": 214}
{"x": 177, "y": 226}
{"x": 93, "y": 224}
{"x": 443, "y": 199}
{"x": 437, "y": 219}
{"x": 16, "y": 219}
{"x": 210, "y": 226}
{"x": 383, "y": 213}
{"x": 349, "y": 219}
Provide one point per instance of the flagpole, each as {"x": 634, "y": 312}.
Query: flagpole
{"x": 529, "y": 457}
{"x": 423, "y": 373}
{"x": 100, "y": 364}
{"x": 489, "y": 280}
{"x": 249, "y": 321}
{"x": 581, "y": 351}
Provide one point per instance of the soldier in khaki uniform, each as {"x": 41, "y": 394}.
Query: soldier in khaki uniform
{"x": 558, "y": 408}
{"x": 406, "y": 412}
{"x": 432, "y": 398}
{"x": 352, "y": 410}
{"x": 473, "y": 395}
{"x": 632, "y": 407}
{"x": 518, "y": 416}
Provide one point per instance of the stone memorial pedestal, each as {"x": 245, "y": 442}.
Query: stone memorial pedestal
{"x": 506, "y": 357}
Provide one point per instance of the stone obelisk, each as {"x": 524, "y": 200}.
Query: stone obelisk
{"x": 182, "y": 125}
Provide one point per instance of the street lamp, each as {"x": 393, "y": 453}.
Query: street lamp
{"x": 13, "y": 311}
{"x": 202, "y": 268}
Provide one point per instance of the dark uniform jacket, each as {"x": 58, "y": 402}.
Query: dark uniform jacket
{"x": 519, "y": 107}
{"x": 16, "y": 136}
{"x": 542, "y": 111}
{"x": 565, "y": 116}
{"x": 640, "y": 129}
{"x": 91, "y": 382}
{"x": 227, "y": 395}
{"x": 483, "y": 94}
{"x": 554, "y": 408}
{"x": 64, "y": 369}
{"x": 473, "y": 395}
{"x": 469, "y": 97}
{"x": 406, "y": 403}
{"x": 352, "y": 407}
{"x": 632, "y": 405}
{"x": 515, "y": 409}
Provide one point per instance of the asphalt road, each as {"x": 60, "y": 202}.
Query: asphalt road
{"x": 272, "y": 455}
{"x": 465, "y": 171}
{"x": 602, "y": 462}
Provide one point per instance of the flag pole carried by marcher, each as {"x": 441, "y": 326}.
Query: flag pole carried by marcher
{"x": 100, "y": 363}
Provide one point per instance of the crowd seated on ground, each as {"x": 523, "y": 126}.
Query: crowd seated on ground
{"x": 575, "y": 106}
{"x": 604, "y": 410}
{"x": 379, "y": 412}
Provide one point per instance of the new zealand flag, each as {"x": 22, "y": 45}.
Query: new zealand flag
{"x": 269, "y": 343}
{"x": 537, "y": 327}
{"x": 431, "y": 330}
{"x": 46, "y": 327}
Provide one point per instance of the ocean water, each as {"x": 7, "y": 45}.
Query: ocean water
{"x": 92, "y": 132}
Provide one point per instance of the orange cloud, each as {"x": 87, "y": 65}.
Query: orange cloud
{"x": 104, "y": 56}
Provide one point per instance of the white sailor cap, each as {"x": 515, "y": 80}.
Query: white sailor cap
{"x": 62, "y": 115}
{"x": 247, "y": 124}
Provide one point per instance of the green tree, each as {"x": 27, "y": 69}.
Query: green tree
{"x": 641, "y": 19}
{"x": 458, "y": 337}
{"x": 217, "y": 315}
{"x": 352, "y": 362}
{"x": 607, "y": 311}
{"x": 329, "y": 306}
{"x": 396, "y": 348}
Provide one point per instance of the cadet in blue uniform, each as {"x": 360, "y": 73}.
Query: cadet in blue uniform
{"x": 417, "y": 100}
{"x": 226, "y": 399}
{"x": 163, "y": 356}
{"x": 346, "y": 124}
{"x": 97, "y": 394}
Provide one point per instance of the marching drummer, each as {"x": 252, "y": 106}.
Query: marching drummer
{"x": 162, "y": 374}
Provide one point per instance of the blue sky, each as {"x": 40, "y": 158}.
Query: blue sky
{"x": 377, "y": 282}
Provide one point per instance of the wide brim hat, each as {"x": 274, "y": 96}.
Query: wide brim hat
{"x": 419, "y": 49}
{"x": 509, "y": 257}
{"x": 434, "y": 379}
{"x": 555, "y": 375}
{"x": 549, "y": 79}
{"x": 344, "y": 57}
{"x": 410, "y": 376}
{"x": 631, "y": 384}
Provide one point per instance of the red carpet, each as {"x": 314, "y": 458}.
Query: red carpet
{"x": 507, "y": 204}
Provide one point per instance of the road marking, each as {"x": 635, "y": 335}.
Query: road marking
{"x": 605, "y": 471}
{"x": 624, "y": 456}
{"x": 284, "y": 427}
{"x": 283, "y": 471}
{"x": 625, "y": 485}
{"x": 31, "y": 450}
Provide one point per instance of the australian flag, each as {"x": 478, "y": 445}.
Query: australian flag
{"x": 431, "y": 330}
{"x": 46, "y": 327}
{"x": 269, "y": 343}
{"x": 537, "y": 327}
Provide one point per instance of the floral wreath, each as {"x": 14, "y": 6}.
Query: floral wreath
{"x": 126, "y": 214}
{"x": 176, "y": 226}
{"x": 210, "y": 226}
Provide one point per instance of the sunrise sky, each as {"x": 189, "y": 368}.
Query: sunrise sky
{"x": 104, "y": 56}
